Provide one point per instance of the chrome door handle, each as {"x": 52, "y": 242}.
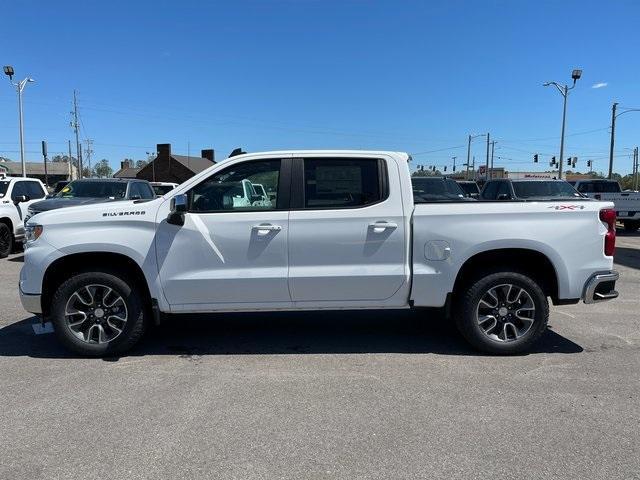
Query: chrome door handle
{"x": 379, "y": 227}
{"x": 263, "y": 230}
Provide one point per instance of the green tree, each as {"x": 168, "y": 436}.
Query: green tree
{"x": 102, "y": 169}
{"x": 141, "y": 163}
{"x": 62, "y": 158}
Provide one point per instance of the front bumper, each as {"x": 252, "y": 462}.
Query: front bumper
{"x": 601, "y": 287}
{"x": 31, "y": 303}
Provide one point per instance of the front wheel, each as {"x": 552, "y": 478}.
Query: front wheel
{"x": 502, "y": 313}
{"x": 97, "y": 314}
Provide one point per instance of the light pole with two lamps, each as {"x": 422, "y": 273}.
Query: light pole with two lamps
{"x": 8, "y": 71}
{"x": 564, "y": 91}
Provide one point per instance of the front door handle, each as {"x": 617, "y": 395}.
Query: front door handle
{"x": 264, "y": 230}
{"x": 379, "y": 227}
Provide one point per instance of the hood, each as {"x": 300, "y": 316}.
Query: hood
{"x": 55, "y": 203}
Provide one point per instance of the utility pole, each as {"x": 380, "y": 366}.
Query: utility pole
{"x": 454, "y": 163}
{"x": 468, "y": 158}
{"x": 486, "y": 165}
{"x": 493, "y": 147}
{"x": 89, "y": 151}
{"x": 70, "y": 161}
{"x": 613, "y": 137}
{"x": 80, "y": 160}
{"x": 74, "y": 125}
{"x": 636, "y": 164}
{"x": 44, "y": 155}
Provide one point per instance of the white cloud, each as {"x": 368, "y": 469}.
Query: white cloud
{"x": 599, "y": 85}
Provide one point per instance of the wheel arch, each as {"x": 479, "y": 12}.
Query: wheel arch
{"x": 7, "y": 221}
{"x": 108, "y": 262}
{"x": 523, "y": 260}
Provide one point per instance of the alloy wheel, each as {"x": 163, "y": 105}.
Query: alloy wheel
{"x": 505, "y": 312}
{"x": 96, "y": 314}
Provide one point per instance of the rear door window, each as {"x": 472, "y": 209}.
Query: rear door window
{"x": 490, "y": 191}
{"x": 19, "y": 188}
{"x": 342, "y": 183}
{"x": 35, "y": 190}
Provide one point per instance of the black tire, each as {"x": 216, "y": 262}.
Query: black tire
{"x": 6, "y": 240}
{"x": 631, "y": 226}
{"x": 133, "y": 328}
{"x": 468, "y": 300}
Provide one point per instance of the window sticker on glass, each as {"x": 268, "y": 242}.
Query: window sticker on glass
{"x": 338, "y": 180}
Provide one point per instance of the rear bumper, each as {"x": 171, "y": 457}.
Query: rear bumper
{"x": 601, "y": 287}
{"x": 31, "y": 303}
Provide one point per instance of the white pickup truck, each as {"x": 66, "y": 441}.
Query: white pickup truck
{"x": 16, "y": 194}
{"x": 342, "y": 231}
{"x": 627, "y": 204}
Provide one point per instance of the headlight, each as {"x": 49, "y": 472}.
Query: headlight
{"x": 33, "y": 232}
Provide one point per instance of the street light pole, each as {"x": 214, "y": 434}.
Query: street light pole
{"x": 471, "y": 137}
{"x": 564, "y": 91}
{"x": 564, "y": 121}
{"x": 8, "y": 71}
{"x": 613, "y": 138}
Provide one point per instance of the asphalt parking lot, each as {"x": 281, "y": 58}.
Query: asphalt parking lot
{"x": 328, "y": 395}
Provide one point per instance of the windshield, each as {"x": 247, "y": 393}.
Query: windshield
{"x": 599, "y": 187}
{"x": 93, "y": 189}
{"x": 436, "y": 190}
{"x": 470, "y": 188}
{"x": 4, "y": 186}
{"x": 544, "y": 190}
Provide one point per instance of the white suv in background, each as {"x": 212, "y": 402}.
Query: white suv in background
{"x": 16, "y": 194}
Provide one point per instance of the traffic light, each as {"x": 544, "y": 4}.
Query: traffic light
{"x": 535, "y": 158}
{"x": 445, "y": 168}
{"x": 589, "y": 163}
{"x": 574, "y": 160}
{"x": 454, "y": 168}
{"x": 569, "y": 161}
{"x": 433, "y": 168}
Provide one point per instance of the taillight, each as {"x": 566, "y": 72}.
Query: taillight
{"x": 608, "y": 216}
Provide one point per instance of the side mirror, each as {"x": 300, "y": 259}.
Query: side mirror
{"x": 135, "y": 197}
{"x": 22, "y": 198}
{"x": 178, "y": 207}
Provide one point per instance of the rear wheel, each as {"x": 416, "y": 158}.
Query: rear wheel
{"x": 97, "y": 314}
{"x": 502, "y": 313}
{"x": 631, "y": 225}
{"x": 6, "y": 240}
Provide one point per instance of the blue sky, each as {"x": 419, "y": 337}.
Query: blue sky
{"x": 410, "y": 76}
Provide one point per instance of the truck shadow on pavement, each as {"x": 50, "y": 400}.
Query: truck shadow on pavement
{"x": 286, "y": 333}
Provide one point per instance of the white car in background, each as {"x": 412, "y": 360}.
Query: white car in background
{"x": 16, "y": 194}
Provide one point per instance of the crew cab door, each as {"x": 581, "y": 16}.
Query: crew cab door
{"x": 346, "y": 231}
{"x": 231, "y": 251}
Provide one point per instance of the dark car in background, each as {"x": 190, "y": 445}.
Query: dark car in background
{"x": 528, "y": 190}
{"x": 88, "y": 191}
{"x": 437, "y": 189}
{"x": 471, "y": 188}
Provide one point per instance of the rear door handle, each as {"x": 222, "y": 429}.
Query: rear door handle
{"x": 379, "y": 227}
{"x": 264, "y": 230}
